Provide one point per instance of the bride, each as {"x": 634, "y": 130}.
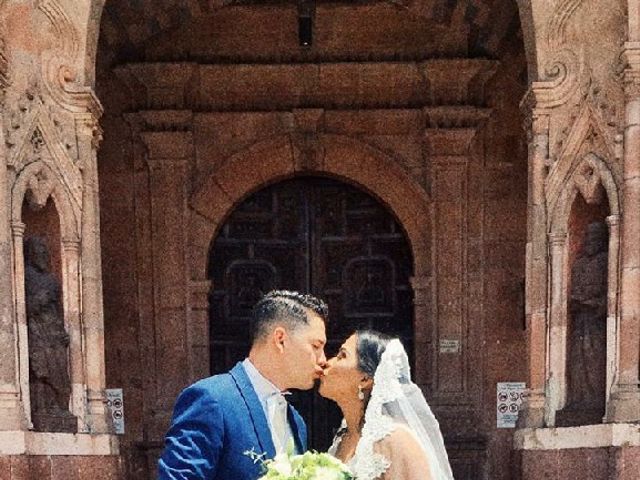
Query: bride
{"x": 388, "y": 431}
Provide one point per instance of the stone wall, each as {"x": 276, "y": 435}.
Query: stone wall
{"x": 190, "y": 140}
{"x": 395, "y": 97}
{"x": 49, "y": 139}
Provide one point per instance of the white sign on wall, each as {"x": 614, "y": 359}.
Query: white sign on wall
{"x": 508, "y": 401}
{"x": 448, "y": 345}
{"x": 115, "y": 405}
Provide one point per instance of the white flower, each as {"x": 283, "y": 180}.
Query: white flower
{"x": 281, "y": 464}
{"x": 327, "y": 473}
{"x": 335, "y": 462}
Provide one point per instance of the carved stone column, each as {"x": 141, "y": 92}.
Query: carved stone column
{"x": 613, "y": 221}
{"x": 624, "y": 405}
{"x": 89, "y": 135}
{"x": 424, "y": 330}
{"x": 72, "y": 284}
{"x": 167, "y": 158}
{"x": 11, "y": 410}
{"x": 556, "y": 381}
{"x": 451, "y": 139}
{"x": 532, "y": 414}
{"x": 17, "y": 235}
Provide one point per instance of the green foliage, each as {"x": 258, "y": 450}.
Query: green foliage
{"x": 308, "y": 466}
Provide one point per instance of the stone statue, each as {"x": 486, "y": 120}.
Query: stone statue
{"x": 48, "y": 342}
{"x": 586, "y": 368}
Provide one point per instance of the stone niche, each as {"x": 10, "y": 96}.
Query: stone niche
{"x": 48, "y": 337}
{"x": 583, "y": 266}
{"x": 62, "y": 427}
{"x": 586, "y": 371}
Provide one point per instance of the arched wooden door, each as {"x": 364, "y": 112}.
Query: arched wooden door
{"x": 315, "y": 235}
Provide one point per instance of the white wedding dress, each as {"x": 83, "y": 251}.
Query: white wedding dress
{"x": 401, "y": 438}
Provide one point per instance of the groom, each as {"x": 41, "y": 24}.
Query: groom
{"x": 219, "y": 418}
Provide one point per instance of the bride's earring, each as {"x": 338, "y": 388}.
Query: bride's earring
{"x": 360, "y": 392}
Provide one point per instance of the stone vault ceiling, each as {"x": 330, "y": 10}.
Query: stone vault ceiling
{"x": 266, "y": 31}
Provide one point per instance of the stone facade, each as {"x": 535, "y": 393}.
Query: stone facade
{"x": 493, "y": 130}
{"x": 50, "y": 136}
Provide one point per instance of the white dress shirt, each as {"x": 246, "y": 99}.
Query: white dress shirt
{"x": 274, "y": 406}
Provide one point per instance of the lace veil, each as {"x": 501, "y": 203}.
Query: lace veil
{"x": 395, "y": 400}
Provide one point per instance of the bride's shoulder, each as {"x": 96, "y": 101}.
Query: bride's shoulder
{"x": 401, "y": 438}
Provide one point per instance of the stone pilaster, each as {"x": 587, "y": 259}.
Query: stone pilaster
{"x": 451, "y": 138}
{"x": 532, "y": 414}
{"x": 424, "y": 330}
{"x": 556, "y": 383}
{"x": 89, "y": 135}
{"x": 624, "y": 404}
{"x": 11, "y": 407}
{"x": 167, "y": 158}
{"x": 613, "y": 327}
{"x": 198, "y": 329}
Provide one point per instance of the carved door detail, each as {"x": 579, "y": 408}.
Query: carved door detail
{"x": 313, "y": 235}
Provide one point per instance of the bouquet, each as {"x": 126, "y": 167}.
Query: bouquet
{"x": 308, "y": 466}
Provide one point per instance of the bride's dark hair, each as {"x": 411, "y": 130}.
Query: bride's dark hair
{"x": 370, "y": 346}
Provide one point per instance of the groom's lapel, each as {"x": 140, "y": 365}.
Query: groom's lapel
{"x": 256, "y": 412}
{"x": 299, "y": 429}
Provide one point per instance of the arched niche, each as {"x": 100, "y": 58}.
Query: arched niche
{"x": 41, "y": 204}
{"x": 589, "y": 195}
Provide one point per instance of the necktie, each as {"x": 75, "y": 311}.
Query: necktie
{"x": 277, "y": 406}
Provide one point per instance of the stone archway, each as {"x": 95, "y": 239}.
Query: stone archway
{"x": 314, "y": 234}
{"x": 341, "y": 158}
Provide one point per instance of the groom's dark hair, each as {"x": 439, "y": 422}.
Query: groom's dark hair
{"x": 287, "y": 307}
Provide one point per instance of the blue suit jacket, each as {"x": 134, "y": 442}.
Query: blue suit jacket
{"x": 214, "y": 422}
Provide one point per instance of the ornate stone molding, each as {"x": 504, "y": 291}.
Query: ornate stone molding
{"x": 4, "y": 64}
{"x": 37, "y": 182}
{"x": 588, "y": 181}
{"x": 560, "y": 17}
{"x": 44, "y": 144}
{"x": 222, "y": 87}
{"x": 39, "y": 188}
{"x": 64, "y": 28}
{"x": 59, "y": 71}
{"x": 22, "y": 113}
{"x": 557, "y": 238}
{"x": 471, "y": 77}
{"x": 562, "y": 78}
{"x": 30, "y": 109}
{"x": 587, "y": 133}
{"x": 450, "y": 130}
{"x": 589, "y": 176}
{"x": 90, "y": 125}
{"x": 631, "y": 74}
